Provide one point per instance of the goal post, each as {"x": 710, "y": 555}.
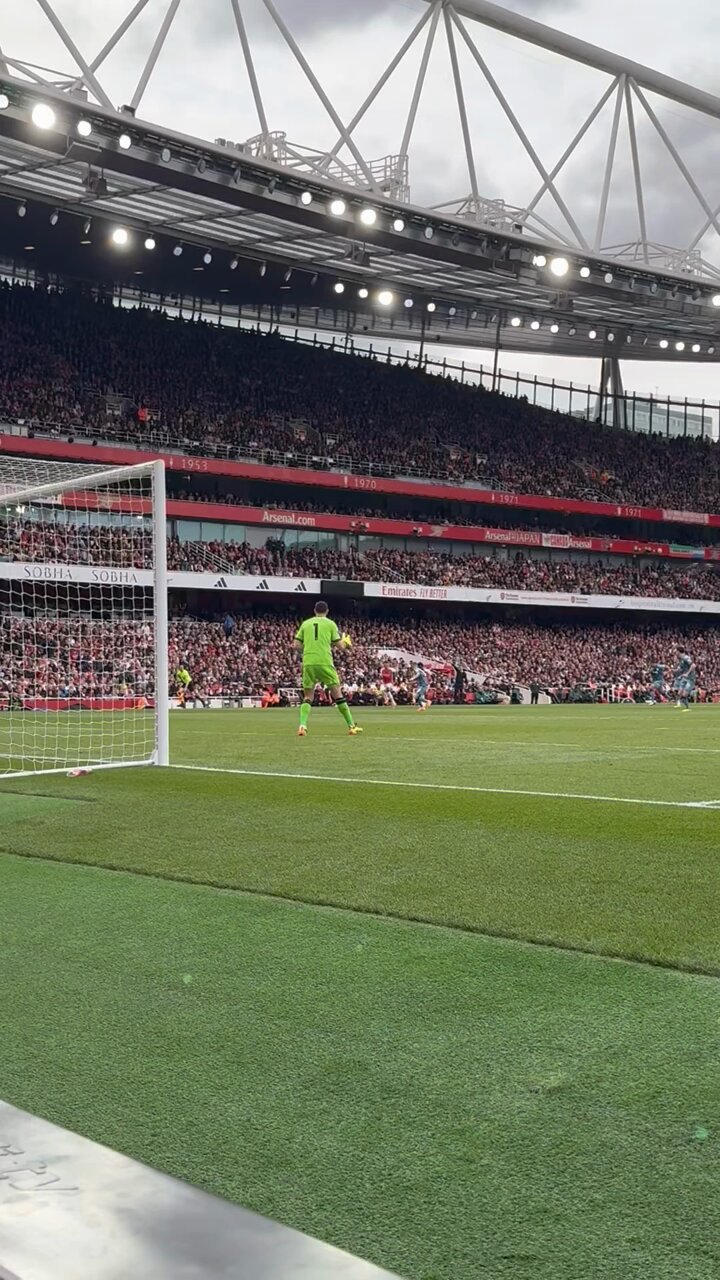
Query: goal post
{"x": 84, "y": 680}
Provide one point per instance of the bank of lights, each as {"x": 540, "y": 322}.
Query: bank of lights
{"x": 120, "y": 237}
{"x": 43, "y": 116}
{"x": 385, "y": 298}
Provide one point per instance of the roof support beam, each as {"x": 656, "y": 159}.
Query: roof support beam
{"x": 155, "y": 52}
{"x": 88, "y": 76}
{"x": 537, "y": 33}
{"x": 252, "y": 74}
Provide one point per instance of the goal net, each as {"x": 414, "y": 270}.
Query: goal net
{"x": 83, "y": 617}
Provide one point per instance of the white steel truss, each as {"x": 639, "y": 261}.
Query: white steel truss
{"x": 633, "y": 94}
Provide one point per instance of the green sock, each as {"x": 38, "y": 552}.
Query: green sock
{"x": 304, "y": 713}
{"x": 345, "y": 712}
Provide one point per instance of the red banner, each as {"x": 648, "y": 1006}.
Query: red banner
{"x": 117, "y": 456}
{"x": 88, "y": 704}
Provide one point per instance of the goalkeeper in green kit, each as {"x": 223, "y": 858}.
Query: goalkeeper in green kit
{"x": 315, "y": 639}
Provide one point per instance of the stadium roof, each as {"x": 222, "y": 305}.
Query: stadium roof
{"x": 327, "y": 253}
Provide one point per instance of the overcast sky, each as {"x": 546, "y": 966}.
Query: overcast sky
{"x": 200, "y": 86}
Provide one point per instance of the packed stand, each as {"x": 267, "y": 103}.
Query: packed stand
{"x": 208, "y": 388}
{"x": 132, "y": 548}
{"x": 246, "y": 654}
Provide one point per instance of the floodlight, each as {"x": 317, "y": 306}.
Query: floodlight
{"x": 429, "y": 233}
{"x": 84, "y": 128}
{"x": 120, "y": 236}
{"x": 385, "y": 297}
{"x": 207, "y": 258}
{"x": 86, "y": 226}
{"x": 516, "y": 322}
{"x": 555, "y": 328}
{"x": 399, "y": 224}
{"x": 559, "y": 266}
{"x": 592, "y": 335}
{"x": 585, "y": 273}
{"x": 166, "y": 155}
{"x": 609, "y": 277}
{"x": 21, "y": 209}
{"x": 43, "y": 116}
{"x": 535, "y": 324}
{"x": 368, "y": 217}
{"x": 306, "y": 197}
{"x": 234, "y": 263}
{"x": 4, "y": 102}
{"x": 54, "y": 218}
{"x": 452, "y": 311}
{"x": 362, "y": 293}
{"x": 572, "y": 331}
{"x": 149, "y": 242}
{"x": 539, "y": 260}
{"x": 611, "y": 337}
{"x": 679, "y": 346}
{"x": 716, "y": 300}
{"x": 664, "y": 344}
{"x": 696, "y": 348}
{"x": 125, "y": 141}
{"x": 288, "y": 276}
{"x": 339, "y": 287}
{"x": 338, "y": 208}
{"x": 178, "y": 250}
{"x": 431, "y": 306}
{"x": 408, "y": 303}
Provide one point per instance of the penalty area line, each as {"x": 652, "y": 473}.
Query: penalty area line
{"x": 445, "y": 786}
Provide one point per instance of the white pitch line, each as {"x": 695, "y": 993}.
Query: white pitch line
{"x": 446, "y": 786}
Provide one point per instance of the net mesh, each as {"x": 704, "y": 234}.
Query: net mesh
{"x": 77, "y": 617}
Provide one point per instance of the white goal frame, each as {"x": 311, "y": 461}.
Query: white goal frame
{"x": 157, "y": 495}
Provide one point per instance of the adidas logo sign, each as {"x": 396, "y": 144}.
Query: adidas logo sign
{"x": 301, "y": 587}
{"x": 262, "y": 586}
{"x": 222, "y": 584}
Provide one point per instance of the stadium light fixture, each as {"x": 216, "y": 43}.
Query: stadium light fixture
{"x": 288, "y": 276}
{"x": 313, "y": 279}
{"x": 43, "y": 116}
{"x": 592, "y": 335}
{"x": 664, "y": 344}
{"x": 306, "y": 197}
{"x": 177, "y": 251}
{"x": 716, "y": 300}
{"x": 408, "y": 303}
{"x": 679, "y": 346}
{"x": 339, "y": 287}
{"x": 4, "y": 102}
{"x": 398, "y": 224}
{"x": 21, "y": 209}
{"x": 431, "y": 306}
{"x": 516, "y": 322}
{"x": 629, "y": 339}
{"x": 120, "y": 236}
{"x": 84, "y": 128}
{"x": 611, "y": 337}
{"x": 654, "y": 287}
{"x": 572, "y": 331}
{"x": 362, "y": 293}
{"x": 609, "y": 277}
{"x": 696, "y": 348}
{"x": 539, "y": 260}
{"x": 535, "y": 325}
{"x": 86, "y": 226}
{"x": 166, "y": 155}
{"x": 234, "y": 264}
{"x": 385, "y": 297}
{"x": 555, "y": 328}
{"x": 125, "y": 142}
{"x": 54, "y": 218}
{"x": 559, "y": 267}
{"x": 338, "y": 208}
{"x": 368, "y": 217}
{"x": 150, "y": 242}
{"x": 452, "y": 311}
{"x": 585, "y": 273}
{"x": 263, "y": 268}
{"x": 429, "y": 233}
{"x": 711, "y": 351}
{"x": 207, "y": 257}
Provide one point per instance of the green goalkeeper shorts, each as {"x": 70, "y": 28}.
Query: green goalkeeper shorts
{"x": 317, "y": 673}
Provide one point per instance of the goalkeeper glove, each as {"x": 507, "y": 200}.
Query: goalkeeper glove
{"x": 345, "y": 641}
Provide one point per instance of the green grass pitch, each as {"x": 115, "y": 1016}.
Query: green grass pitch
{"x": 456, "y": 1010}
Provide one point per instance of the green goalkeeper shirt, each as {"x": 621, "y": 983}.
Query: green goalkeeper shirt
{"x": 317, "y": 636}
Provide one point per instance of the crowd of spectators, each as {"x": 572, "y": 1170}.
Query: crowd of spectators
{"x": 248, "y": 653}
{"x": 206, "y": 387}
{"x": 128, "y": 547}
